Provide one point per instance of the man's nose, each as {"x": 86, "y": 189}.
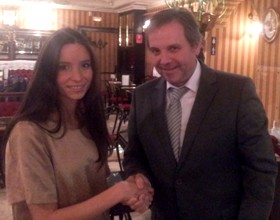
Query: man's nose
{"x": 164, "y": 58}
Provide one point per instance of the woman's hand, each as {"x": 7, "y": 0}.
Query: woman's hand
{"x": 143, "y": 199}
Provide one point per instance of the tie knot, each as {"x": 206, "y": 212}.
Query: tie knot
{"x": 177, "y": 93}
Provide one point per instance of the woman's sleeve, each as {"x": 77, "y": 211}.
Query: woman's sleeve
{"x": 29, "y": 168}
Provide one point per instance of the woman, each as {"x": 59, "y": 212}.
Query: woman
{"x": 57, "y": 145}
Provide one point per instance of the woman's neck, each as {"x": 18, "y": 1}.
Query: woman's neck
{"x": 68, "y": 117}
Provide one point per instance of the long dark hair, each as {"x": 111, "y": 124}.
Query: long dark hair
{"x": 42, "y": 97}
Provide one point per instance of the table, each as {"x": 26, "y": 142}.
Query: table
{"x": 129, "y": 87}
{"x": 128, "y": 90}
{"x": 115, "y": 82}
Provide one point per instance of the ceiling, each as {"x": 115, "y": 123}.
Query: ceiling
{"x": 117, "y": 6}
{"x": 93, "y": 5}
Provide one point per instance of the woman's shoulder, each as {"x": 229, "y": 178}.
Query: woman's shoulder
{"x": 30, "y": 125}
{"x": 25, "y": 136}
{"x": 27, "y": 129}
{"x": 26, "y": 126}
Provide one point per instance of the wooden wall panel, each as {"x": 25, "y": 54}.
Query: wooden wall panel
{"x": 73, "y": 18}
{"x": 267, "y": 76}
{"x": 240, "y": 53}
{"x": 235, "y": 48}
{"x": 107, "y": 56}
{"x": 267, "y": 79}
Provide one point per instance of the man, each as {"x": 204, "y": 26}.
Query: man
{"x": 225, "y": 166}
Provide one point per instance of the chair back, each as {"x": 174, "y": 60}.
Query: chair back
{"x": 9, "y": 108}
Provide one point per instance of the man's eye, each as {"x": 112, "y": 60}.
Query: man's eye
{"x": 174, "y": 49}
{"x": 155, "y": 51}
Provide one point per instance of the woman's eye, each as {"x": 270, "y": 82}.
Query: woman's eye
{"x": 63, "y": 67}
{"x": 86, "y": 65}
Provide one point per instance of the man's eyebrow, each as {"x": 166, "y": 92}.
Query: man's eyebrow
{"x": 153, "y": 48}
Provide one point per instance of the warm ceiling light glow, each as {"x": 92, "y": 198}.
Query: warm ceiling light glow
{"x": 254, "y": 28}
{"x": 9, "y": 17}
{"x": 38, "y": 17}
{"x": 146, "y": 24}
{"x": 10, "y": 2}
{"x": 96, "y": 19}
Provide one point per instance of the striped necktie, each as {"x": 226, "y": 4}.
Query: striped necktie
{"x": 174, "y": 117}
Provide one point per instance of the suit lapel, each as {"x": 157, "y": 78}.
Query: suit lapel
{"x": 205, "y": 94}
{"x": 158, "y": 100}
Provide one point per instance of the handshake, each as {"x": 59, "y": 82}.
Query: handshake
{"x": 136, "y": 192}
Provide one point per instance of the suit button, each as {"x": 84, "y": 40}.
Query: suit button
{"x": 179, "y": 181}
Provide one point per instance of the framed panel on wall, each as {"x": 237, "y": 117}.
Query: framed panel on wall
{"x": 27, "y": 43}
{"x": 4, "y": 45}
{"x": 270, "y": 25}
{"x": 21, "y": 44}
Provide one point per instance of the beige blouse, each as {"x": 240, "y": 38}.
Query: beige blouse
{"x": 43, "y": 168}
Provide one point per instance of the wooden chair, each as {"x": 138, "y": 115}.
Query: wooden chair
{"x": 8, "y": 108}
{"x": 3, "y": 123}
{"x": 119, "y": 210}
{"x": 114, "y": 97}
{"x": 122, "y": 112}
{"x": 2, "y": 176}
{"x": 9, "y": 105}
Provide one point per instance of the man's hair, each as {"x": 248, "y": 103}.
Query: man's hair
{"x": 183, "y": 17}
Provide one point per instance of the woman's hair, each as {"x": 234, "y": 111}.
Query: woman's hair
{"x": 183, "y": 17}
{"x": 42, "y": 96}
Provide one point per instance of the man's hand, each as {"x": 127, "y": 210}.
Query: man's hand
{"x": 142, "y": 202}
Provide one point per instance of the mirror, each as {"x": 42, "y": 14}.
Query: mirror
{"x": 126, "y": 25}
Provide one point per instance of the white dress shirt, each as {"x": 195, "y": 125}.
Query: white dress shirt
{"x": 187, "y": 99}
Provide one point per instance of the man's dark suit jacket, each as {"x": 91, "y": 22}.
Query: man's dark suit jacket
{"x": 227, "y": 168}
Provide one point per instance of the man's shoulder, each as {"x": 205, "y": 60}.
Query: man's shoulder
{"x": 224, "y": 76}
{"x": 151, "y": 84}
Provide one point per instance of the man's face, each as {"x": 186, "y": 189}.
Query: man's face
{"x": 172, "y": 55}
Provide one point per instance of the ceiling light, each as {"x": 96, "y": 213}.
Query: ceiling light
{"x": 96, "y": 18}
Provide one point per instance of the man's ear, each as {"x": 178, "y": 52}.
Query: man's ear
{"x": 197, "y": 48}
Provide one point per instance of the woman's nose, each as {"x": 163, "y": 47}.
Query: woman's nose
{"x": 77, "y": 74}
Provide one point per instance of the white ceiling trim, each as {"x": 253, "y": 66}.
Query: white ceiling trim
{"x": 90, "y": 5}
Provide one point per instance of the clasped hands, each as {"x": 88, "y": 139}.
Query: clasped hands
{"x": 143, "y": 196}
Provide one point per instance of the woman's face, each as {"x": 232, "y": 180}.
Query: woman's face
{"x": 74, "y": 73}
